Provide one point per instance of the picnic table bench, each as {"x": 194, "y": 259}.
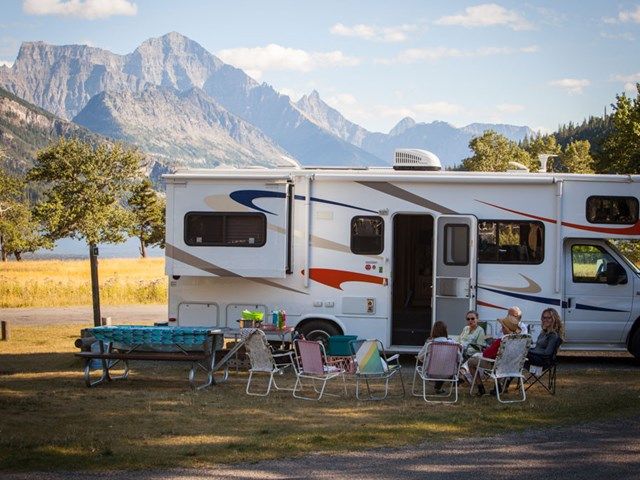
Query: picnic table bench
{"x": 123, "y": 343}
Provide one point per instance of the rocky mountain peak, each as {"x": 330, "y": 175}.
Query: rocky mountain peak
{"x": 402, "y": 126}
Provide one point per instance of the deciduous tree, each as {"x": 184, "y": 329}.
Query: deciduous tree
{"x": 147, "y": 207}
{"x": 576, "y": 158}
{"x": 492, "y": 152}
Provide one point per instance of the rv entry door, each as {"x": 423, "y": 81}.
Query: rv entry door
{"x": 455, "y": 269}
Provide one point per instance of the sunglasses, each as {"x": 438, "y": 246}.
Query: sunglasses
{"x": 470, "y": 318}
{"x": 546, "y": 317}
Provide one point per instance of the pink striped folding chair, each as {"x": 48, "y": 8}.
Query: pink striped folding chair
{"x": 441, "y": 363}
{"x": 312, "y": 365}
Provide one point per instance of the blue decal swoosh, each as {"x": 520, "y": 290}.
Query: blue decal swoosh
{"x": 580, "y": 306}
{"x": 530, "y": 298}
{"x": 247, "y": 197}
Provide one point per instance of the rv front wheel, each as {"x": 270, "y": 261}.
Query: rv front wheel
{"x": 634, "y": 346}
{"x": 319, "y": 330}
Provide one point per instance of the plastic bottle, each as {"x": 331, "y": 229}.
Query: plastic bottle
{"x": 274, "y": 318}
{"x": 284, "y": 319}
{"x": 279, "y": 319}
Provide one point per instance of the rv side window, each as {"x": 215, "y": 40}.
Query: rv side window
{"x": 220, "y": 229}
{"x": 503, "y": 241}
{"x": 589, "y": 264}
{"x": 367, "y": 235}
{"x": 615, "y": 210}
{"x": 456, "y": 244}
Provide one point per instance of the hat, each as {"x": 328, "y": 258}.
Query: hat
{"x": 510, "y": 323}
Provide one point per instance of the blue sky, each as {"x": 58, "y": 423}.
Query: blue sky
{"x": 527, "y": 63}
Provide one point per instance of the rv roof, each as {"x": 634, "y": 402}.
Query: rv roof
{"x": 387, "y": 173}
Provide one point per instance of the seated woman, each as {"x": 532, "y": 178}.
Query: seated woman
{"x": 548, "y": 341}
{"x": 438, "y": 334}
{"x": 472, "y": 337}
{"x": 509, "y": 327}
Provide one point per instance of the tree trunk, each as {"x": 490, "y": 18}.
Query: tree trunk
{"x": 143, "y": 249}
{"x": 18, "y": 256}
{"x": 95, "y": 288}
{"x": 3, "y": 253}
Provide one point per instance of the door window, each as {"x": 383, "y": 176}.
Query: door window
{"x": 589, "y": 263}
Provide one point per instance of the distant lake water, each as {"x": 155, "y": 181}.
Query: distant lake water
{"x": 70, "y": 248}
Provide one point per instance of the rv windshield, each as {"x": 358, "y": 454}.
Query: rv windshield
{"x": 622, "y": 255}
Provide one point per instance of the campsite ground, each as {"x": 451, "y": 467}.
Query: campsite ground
{"x": 154, "y": 423}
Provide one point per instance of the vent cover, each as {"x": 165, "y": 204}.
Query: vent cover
{"x": 415, "y": 159}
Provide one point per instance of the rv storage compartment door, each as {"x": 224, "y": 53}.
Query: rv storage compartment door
{"x": 227, "y": 227}
{"x": 455, "y": 282}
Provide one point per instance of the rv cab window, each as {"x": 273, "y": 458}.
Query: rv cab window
{"x": 612, "y": 210}
{"x": 589, "y": 264}
{"x": 367, "y": 235}
{"x": 221, "y": 229}
{"x": 504, "y": 241}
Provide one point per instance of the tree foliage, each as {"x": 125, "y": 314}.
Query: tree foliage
{"x": 576, "y": 158}
{"x": 147, "y": 207}
{"x": 85, "y": 190}
{"x": 492, "y": 152}
{"x": 622, "y": 146}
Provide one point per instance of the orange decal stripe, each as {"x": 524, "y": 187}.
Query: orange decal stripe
{"x": 335, "y": 278}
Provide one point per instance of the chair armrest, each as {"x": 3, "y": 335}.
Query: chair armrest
{"x": 393, "y": 358}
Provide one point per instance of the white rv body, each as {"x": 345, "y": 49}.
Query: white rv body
{"x": 423, "y": 259}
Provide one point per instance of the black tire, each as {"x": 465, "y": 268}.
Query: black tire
{"x": 634, "y": 345}
{"x": 319, "y": 330}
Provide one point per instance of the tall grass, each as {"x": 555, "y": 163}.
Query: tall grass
{"x": 58, "y": 283}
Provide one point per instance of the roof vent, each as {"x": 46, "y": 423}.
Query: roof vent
{"x": 415, "y": 159}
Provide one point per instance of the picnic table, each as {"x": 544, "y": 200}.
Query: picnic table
{"x": 123, "y": 343}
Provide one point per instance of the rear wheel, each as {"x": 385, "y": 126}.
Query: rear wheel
{"x": 319, "y": 330}
{"x": 634, "y": 345}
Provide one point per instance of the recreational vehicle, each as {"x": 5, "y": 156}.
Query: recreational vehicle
{"x": 385, "y": 252}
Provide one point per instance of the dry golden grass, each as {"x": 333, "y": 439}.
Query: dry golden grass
{"x": 58, "y": 283}
{"x": 51, "y": 421}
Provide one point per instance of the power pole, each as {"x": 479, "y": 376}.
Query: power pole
{"x": 95, "y": 288}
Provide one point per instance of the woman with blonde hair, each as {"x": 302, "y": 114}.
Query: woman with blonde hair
{"x": 549, "y": 340}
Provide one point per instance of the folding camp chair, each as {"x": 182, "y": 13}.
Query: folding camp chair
{"x": 263, "y": 360}
{"x": 544, "y": 374}
{"x": 311, "y": 365}
{"x": 372, "y": 364}
{"x": 508, "y": 364}
{"x": 441, "y": 363}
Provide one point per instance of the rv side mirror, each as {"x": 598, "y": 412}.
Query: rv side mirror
{"x": 615, "y": 274}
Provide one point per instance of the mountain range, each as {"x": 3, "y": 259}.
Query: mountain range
{"x": 183, "y": 106}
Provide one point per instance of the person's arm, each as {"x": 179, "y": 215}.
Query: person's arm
{"x": 492, "y": 350}
{"x": 552, "y": 341}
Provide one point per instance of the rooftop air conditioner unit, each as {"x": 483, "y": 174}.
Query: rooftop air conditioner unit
{"x": 415, "y": 159}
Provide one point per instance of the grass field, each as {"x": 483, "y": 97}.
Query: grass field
{"x": 51, "y": 421}
{"x": 59, "y": 283}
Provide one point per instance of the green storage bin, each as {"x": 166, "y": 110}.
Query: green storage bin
{"x": 339, "y": 345}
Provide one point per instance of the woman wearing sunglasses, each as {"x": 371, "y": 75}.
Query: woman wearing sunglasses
{"x": 472, "y": 337}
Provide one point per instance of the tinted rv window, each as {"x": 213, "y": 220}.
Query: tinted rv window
{"x": 367, "y": 235}
{"x": 456, "y": 244}
{"x": 502, "y": 241}
{"x": 219, "y": 229}
{"x": 617, "y": 210}
{"x": 589, "y": 264}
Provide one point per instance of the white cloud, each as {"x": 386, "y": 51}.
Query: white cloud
{"x": 574, "y": 86}
{"x": 630, "y": 16}
{"x": 487, "y": 15}
{"x": 415, "y": 55}
{"x": 393, "y": 34}
{"x": 628, "y": 80}
{"x": 5, "y": 63}
{"x": 343, "y": 99}
{"x": 438, "y": 108}
{"x": 275, "y": 57}
{"x": 509, "y": 108}
{"x": 89, "y": 9}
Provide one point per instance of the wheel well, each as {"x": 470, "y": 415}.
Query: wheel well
{"x": 634, "y": 328}
{"x": 304, "y": 322}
